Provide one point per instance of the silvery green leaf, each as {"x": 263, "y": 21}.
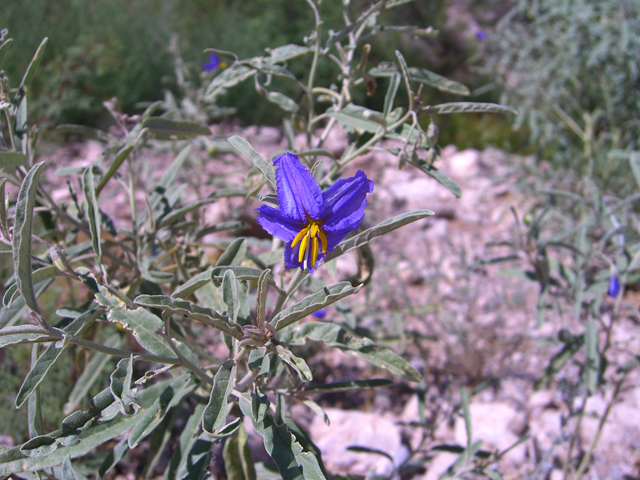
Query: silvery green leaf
{"x": 317, "y": 409}
{"x": 313, "y": 303}
{"x": 634, "y": 163}
{"x": 441, "y": 177}
{"x": 17, "y": 338}
{"x": 45, "y": 361}
{"x": 260, "y": 163}
{"x": 120, "y": 386}
{"x": 41, "y": 446}
{"x": 234, "y": 254}
{"x": 228, "y": 78}
{"x": 168, "y": 129}
{"x": 230, "y": 295}
{"x": 30, "y": 73}
{"x": 346, "y": 386}
{"x": 10, "y": 315}
{"x": 114, "y": 456}
{"x": 3, "y": 206}
{"x": 144, "y": 325}
{"x": 241, "y": 273}
{"x": 68, "y": 473}
{"x": 180, "y": 213}
{"x": 282, "y": 447}
{"x": 461, "y": 107}
{"x": 197, "y": 460}
{"x": 381, "y": 229}
{"x": 21, "y": 242}
{"x": 288, "y": 52}
{"x": 261, "y": 299}
{"x": 34, "y": 411}
{"x": 13, "y": 461}
{"x": 37, "y": 276}
{"x": 189, "y": 310}
{"x": 192, "y": 285}
{"x": 357, "y": 118}
{"x": 238, "y": 461}
{"x": 4, "y": 48}
{"x": 151, "y": 417}
{"x": 559, "y": 360}
{"x": 214, "y": 416}
{"x": 443, "y": 84}
{"x": 13, "y": 159}
{"x": 115, "y": 164}
{"x": 297, "y": 364}
{"x": 592, "y": 359}
{"x": 93, "y": 211}
{"x": 222, "y": 53}
{"x": 335, "y": 336}
{"x": 187, "y": 438}
{"x": 285, "y": 103}
{"x": 394, "y": 84}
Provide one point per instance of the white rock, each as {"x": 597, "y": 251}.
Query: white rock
{"x": 353, "y": 428}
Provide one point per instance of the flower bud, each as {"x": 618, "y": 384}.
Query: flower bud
{"x": 432, "y": 134}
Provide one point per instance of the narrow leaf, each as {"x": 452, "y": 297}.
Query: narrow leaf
{"x": 381, "y": 229}
{"x": 260, "y": 163}
{"x": 151, "y": 417}
{"x": 462, "y": 107}
{"x": 93, "y": 211}
{"x": 22, "y": 235}
{"x": 230, "y": 295}
{"x": 234, "y": 254}
{"x": 394, "y": 84}
{"x": 352, "y": 385}
{"x": 297, "y": 364}
{"x": 214, "y": 416}
{"x": 441, "y": 177}
{"x": 167, "y": 129}
{"x": 186, "y": 440}
{"x": 281, "y": 445}
{"x": 238, "y": 461}
{"x": 592, "y": 360}
{"x": 144, "y": 325}
{"x": 30, "y": 73}
{"x": 313, "y": 303}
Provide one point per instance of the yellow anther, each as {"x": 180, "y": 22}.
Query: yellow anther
{"x": 315, "y": 245}
{"x": 314, "y": 229}
{"x": 301, "y": 234}
{"x": 303, "y": 248}
{"x": 323, "y": 238}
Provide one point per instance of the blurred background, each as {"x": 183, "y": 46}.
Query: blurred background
{"x": 121, "y": 48}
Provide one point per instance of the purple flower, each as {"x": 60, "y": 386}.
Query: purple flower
{"x": 212, "y": 64}
{"x": 614, "y": 286}
{"x": 310, "y": 221}
{"x": 480, "y": 35}
{"x": 320, "y": 314}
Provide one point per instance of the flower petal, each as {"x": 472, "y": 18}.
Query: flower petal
{"x": 344, "y": 203}
{"x": 298, "y": 192}
{"x": 277, "y": 224}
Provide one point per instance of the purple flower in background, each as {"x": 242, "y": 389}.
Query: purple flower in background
{"x": 320, "y": 314}
{"x": 480, "y": 35}
{"x": 310, "y": 221}
{"x": 212, "y": 64}
{"x": 614, "y": 286}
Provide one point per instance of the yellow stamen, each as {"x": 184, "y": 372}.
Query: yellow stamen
{"x": 299, "y": 236}
{"x": 314, "y": 229}
{"x": 314, "y": 251}
{"x": 323, "y": 238}
{"x": 303, "y": 248}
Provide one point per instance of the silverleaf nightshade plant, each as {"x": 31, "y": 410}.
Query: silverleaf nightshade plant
{"x": 312, "y": 222}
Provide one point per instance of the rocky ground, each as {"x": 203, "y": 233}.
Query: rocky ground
{"x": 461, "y": 326}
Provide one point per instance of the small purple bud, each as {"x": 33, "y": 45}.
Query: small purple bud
{"x": 212, "y": 64}
{"x": 614, "y": 286}
{"x": 480, "y": 35}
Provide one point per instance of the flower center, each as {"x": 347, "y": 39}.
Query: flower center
{"x": 310, "y": 238}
